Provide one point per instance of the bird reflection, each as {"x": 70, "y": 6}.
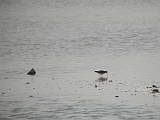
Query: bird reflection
{"x": 101, "y": 79}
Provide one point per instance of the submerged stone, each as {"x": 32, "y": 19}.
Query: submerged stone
{"x": 110, "y": 81}
{"x": 27, "y": 83}
{"x": 31, "y": 72}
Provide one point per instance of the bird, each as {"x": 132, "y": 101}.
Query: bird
{"x": 31, "y": 72}
{"x": 101, "y": 72}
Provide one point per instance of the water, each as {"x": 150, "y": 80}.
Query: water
{"x": 65, "y": 41}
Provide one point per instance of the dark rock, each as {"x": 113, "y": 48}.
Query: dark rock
{"x": 149, "y": 87}
{"x": 154, "y": 86}
{"x": 155, "y": 91}
{"x": 27, "y": 83}
{"x": 116, "y": 96}
{"x": 31, "y": 72}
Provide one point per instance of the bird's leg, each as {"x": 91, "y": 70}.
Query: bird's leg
{"x": 100, "y": 75}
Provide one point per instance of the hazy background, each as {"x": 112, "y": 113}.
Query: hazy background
{"x": 65, "y": 41}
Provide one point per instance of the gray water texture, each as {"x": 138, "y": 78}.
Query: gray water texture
{"x": 65, "y": 41}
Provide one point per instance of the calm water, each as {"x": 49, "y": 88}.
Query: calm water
{"x": 65, "y": 41}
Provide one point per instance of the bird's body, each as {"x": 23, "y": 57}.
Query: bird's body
{"x": 101, "y": 72}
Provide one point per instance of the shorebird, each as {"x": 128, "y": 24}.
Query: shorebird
{"x": 31, "y": 72}
{"x": 101, "y": 72}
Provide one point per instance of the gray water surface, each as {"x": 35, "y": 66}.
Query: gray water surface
{"x": 65, "y": 41}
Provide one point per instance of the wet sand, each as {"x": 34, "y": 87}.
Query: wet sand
{"x": 56, "y": 98}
